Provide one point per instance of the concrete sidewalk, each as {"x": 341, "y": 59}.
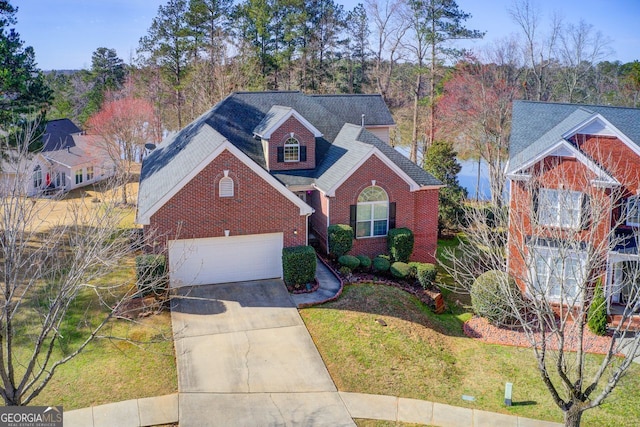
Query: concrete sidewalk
{"x": 329, "y": 290}
{"x": 264, "y": 409}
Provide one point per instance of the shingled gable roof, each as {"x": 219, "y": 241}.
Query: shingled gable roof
{"x": 58, "y": 134}
{"x": 235, "y": 119}
{"x": 538, "y": 126}
{"x": 276, "y": 116}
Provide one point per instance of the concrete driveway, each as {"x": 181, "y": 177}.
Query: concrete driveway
{"x": 245, "y": 358}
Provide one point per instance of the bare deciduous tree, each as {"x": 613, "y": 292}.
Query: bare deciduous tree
{"x": 54, "y": 253}
{"x": 567, "y": 231}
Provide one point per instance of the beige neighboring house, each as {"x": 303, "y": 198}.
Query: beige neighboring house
{"x": 69, "y": 159}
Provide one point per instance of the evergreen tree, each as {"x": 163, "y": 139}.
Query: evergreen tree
{"x": 24, "y": 94}
{"x": 440, "y": 161}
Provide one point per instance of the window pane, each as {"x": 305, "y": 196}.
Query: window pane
{"x": 363, "y": 229}
{"x": 380, "y": 228}
{"x": 380, "y": 211}
{"x": 372, "y": 194}
{"x": 364, "y": 213}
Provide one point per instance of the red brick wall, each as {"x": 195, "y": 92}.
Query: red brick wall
{"x": 256, "y": 207}
{"x": 304, "y": 137}
{"x": 556, "y": 173}
{"x": 407, "y": 203}
{"x": 425, "y": 228}
{"x": 318, "y": 220}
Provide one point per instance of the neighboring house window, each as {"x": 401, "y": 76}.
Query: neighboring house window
{"x": 557, "y": 272}
{"x": 291, "y": 150}
{"x": 225, "y": 187}
{"x": 559, "y": 208}
{"x": 372, "y": 212}
{"x": 61, "y": 179}
{"x": 89, "y": 173}
{"x": 633, "y": 211}
{"x": 37, "y": 177}
{"x": 79, "y": 176}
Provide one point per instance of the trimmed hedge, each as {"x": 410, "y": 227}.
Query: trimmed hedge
{"x": 298, "y": 265}
{"x": 151, "y": 274}
{"x": 426, "y": 274}
{"x": 381, "y": 264}
{"x": 400, "y": 244}
{"x": 349, "y": 261}
{"x": 597, "y": 317}
{"x": 365, "y": 261}
{"x": 400, "y": 269}
{"x": 490, "y": 296}
{"x": 340, "y": 239}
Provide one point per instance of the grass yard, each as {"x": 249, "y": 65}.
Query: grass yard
{"x": 426, "y": 356}
{"x": 131, "y": 359}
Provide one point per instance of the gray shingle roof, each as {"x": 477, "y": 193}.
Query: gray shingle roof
{"x": 238, "y": 116}
{"x": 536, "y": 126}
{"x": 58, "y": 134}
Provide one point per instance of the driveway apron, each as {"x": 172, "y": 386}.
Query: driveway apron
{"x": 245, "y": 358}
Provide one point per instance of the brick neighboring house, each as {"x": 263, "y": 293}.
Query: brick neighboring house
{"x": 265, "y": 170}
{"x": 567, "y": 162}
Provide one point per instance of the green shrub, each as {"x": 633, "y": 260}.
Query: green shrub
{"x": 151, "y": 275}
{"x": 365, "y": 262}
{"x": 380, "y": 264}
{"x": 400, "y": 244}
{"x": 340, "y": 237}
{"x": 345, "y": 271}
{"x": 298, "y": 265}
{"x": 426, "y": 274}
{"x": 597, "y": 317}
{"x": 349, "y": 261}
{"x": 493, "y": 295}
{"x": 400, "y": 269}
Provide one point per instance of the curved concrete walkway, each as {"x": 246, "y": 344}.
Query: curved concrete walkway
{"x": 245, "y": 358}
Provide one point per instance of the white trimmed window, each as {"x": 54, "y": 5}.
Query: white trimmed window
{"x": 37, "y": 177}
{"x": 372, "y": 218}
{"x": 79, "y": 176}
{"x": 292, "y": 150}
{"x": 559, "y": 208}
{"x": 225, "y": 187}
{"x": 557, "y": 273}
{"x": 89, "y": 173}
{"x": 633, "y": 211}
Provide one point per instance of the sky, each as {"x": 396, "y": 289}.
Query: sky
{"x": 64, "y": 33}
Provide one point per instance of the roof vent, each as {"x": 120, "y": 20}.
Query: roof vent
{"x": 363, "y": 120}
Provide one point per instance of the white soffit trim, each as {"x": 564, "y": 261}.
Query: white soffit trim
{"x": 226, "y": 145}
{"x": 607, "y": 129}
{"x": 564, "y": 148}
{"x": 267, "y": 133}
{"x": 413, "y": 186}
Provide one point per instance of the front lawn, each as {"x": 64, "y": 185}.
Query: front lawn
{"x": 425, "y": 356}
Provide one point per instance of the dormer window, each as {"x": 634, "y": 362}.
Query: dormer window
{"x": 291, "y": 150}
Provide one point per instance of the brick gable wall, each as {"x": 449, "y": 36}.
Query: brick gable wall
{"x": 196, "y": 211}
{"x": 415, "y": 210}
{"x": 304, "y": 137}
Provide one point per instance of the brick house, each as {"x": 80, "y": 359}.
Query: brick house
{"x": 574, "y": 176}
{"x": 265, "y": 170}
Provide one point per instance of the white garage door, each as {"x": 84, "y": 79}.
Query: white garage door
{"x": 225, "y": 259}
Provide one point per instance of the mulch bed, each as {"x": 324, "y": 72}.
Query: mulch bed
{"x": 479, "y": 328}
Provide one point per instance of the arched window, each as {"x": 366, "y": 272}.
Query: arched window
{"x": 372, "y": 218}
{"x": 37, "y": 177}
{"x": 225, "y": 187}
{"x": 291, "y": 150}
